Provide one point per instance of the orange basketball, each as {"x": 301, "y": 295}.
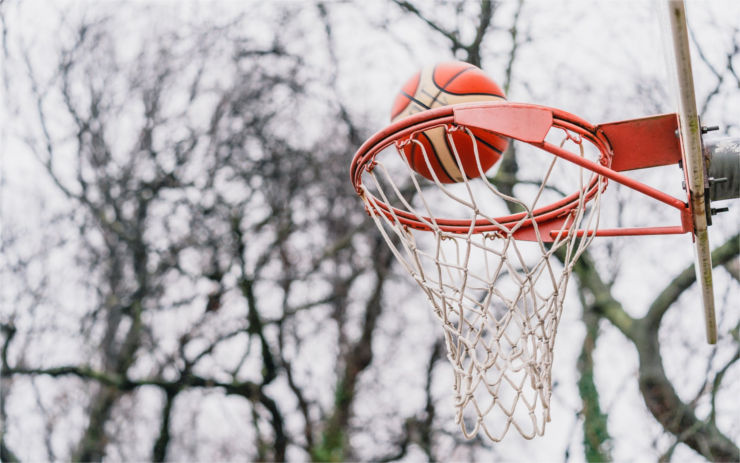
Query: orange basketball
{"x": 440, "y": 85}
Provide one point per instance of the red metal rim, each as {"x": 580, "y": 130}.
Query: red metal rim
{"x": 364, "y": 160}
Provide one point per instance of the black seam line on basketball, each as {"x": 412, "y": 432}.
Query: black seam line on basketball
{"x": 476, "y": 94}
{"x": 439, "y": 161}
{"x": 448, "y": 92}
{"x": 480, "y": 140}
{"x": 442, "y": 88}
{"x": 412, "y": 157}
{"x": 413, "y": 100}
{"x": 449, "y": 81}
{"x": 460, "y": 167}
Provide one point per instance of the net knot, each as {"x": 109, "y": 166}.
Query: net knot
{"x": 568, "y": 212}
{"x": 455, "y": 128}
{"x": 574, "y": 137}
{"x": 401, "y": 144}
{"x": 494, "y": 235}
{"x": 371, "y": 165}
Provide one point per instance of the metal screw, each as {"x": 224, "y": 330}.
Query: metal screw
{"x": 713, "y": 181}
{"x": 717, "y": 210}
{"x": 711, "y": 128}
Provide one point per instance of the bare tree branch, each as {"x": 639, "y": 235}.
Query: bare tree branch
{"x": 596, "y": 438}
{"x": 450, "y": 35}
{"x": 720, "y": 256}
{"x": 159, "y": 452}
{"x": 8, "y": 331}
{"x": 658, "y": 392}
{"x": 717, "y": 382}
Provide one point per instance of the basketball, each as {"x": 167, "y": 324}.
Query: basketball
{"x": 440, "y": 85}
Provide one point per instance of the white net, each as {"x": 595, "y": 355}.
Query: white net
{"x": 498, "y": 299}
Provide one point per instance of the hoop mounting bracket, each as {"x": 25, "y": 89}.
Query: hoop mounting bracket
{"x": 644, "y": 142}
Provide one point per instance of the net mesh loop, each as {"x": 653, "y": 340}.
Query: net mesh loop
{"x": 498, "y": 297}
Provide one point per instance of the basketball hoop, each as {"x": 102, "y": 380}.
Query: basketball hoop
{"x": 483, "y": 256}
